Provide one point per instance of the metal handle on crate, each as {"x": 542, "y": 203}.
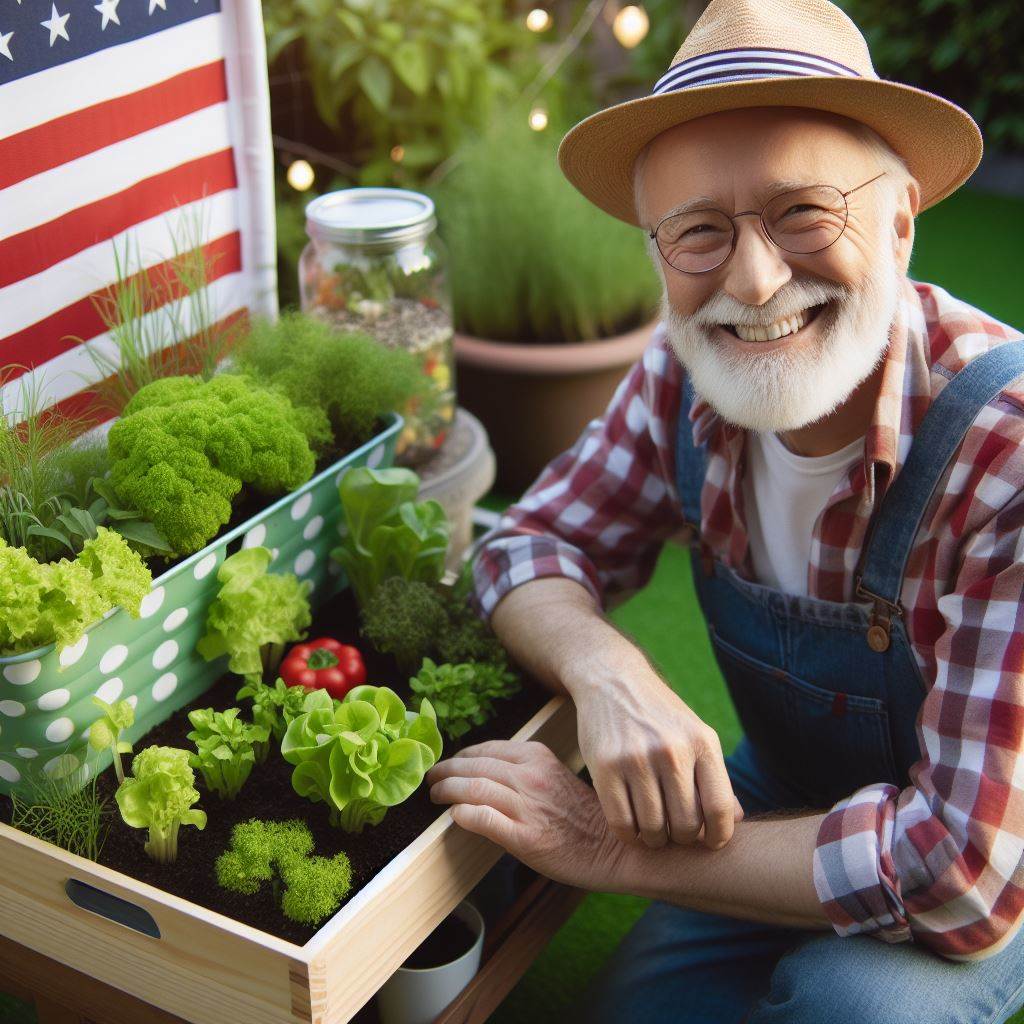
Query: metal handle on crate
{"x": 112, "y": 907}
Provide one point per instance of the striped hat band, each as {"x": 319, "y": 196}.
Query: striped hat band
{"x": 749, "y": 63}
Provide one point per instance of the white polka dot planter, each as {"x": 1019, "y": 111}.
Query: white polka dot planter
{"x": 45, "y": 704}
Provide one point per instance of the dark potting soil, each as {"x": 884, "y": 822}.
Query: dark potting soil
{"x": 268, "y": 795}
{"x": 447, "y": 942}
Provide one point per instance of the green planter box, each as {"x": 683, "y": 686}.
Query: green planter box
{"x": 45, "y": 706}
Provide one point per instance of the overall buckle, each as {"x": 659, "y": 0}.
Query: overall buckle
{"x": 881, "y": 617}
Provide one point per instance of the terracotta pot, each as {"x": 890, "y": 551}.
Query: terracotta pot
{"x": 535, "y": 400}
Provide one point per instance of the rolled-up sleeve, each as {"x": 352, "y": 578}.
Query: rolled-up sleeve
{"x": 600, "y": 511}
{"x": 941, "y": 862}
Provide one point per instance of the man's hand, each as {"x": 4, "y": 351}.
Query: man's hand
{"x": 520, "y": 796}
{"x": 657, "y": 768}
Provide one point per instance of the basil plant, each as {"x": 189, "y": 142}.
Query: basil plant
{"x": 362, "y": 755}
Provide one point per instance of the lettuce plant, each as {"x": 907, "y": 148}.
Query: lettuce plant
{"x": 266, "y": 851}
{"x": 463, "y": 696}
{"x": 225, "y": 748}
{"x": 387, "y": 532}
{"x": 273, "y": 707}
{"x": 105, "y": 732}
{"x": 159, "y": 795}
{"x": 361, "y": 756}
{"x": 254, "y": 614}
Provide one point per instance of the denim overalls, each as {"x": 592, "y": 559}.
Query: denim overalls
{"x": 828, "y": 692}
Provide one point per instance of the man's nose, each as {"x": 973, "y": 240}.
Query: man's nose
{"x": 757, "y": 270}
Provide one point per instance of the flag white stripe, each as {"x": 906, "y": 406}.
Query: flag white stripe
{"x": 34, "y": 298}
{"x": 74, "y": 370}
{"x": 80, "y": 182}
{"x": 102, "y": 76}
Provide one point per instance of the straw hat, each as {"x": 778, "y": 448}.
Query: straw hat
{"x": 754, "y": 53}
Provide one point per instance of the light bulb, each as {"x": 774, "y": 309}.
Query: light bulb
{"x": 538, "y": 20}
{"x": 631, "y": 25}
{"x": 538, "y": 119}
{"x": 300, "y": 175}
{"x": 398, "y": 154}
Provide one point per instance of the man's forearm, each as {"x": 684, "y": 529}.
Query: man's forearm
{"x": 763, "y": 874}
{"x": 554, "y": 629}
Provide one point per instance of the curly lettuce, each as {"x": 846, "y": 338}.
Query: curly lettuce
{"x": 361, "y": 756}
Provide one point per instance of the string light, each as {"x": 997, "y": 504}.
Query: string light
{"x": 631, "y": 25}
{"x": 398, "y": 154}
{"x": 538, "y": 20}
{"x": 538, "y": 119}
{"x": 300, "y": 175}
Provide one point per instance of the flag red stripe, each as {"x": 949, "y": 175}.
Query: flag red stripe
{"x": 38, "y": 248}
{"x": 88, "y": 412}
{"x": 49, "y": 145}
{"x": 80, "y": 321}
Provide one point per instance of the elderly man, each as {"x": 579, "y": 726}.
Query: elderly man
{"x": 845, "y": 449}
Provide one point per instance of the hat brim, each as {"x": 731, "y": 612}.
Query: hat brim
{"x": 940, "y": 142}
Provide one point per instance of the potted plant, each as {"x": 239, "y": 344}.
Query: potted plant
{"x": 553, "y": 300}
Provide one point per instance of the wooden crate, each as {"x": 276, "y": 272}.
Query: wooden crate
{"x": 210, "y": 969}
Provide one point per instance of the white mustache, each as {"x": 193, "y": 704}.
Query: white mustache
{"x": 722, "y": 308}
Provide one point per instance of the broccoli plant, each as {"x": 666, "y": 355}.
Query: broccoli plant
{"x": 105, "y": 732}
{"x": 273, "y": 707}
{"x": 185, "y": 447}
{"x": 361, "y": 756}
{"x": 463, "y": 695}
{"x": 225, "y": 748}
{"x": 279, "y": 851}
{"x": 159, "y": 795}
{"x": 254, "y": 614}
{"x": 404, "y": 618}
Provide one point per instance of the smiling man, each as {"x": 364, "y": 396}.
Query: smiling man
{"x": 843, "y": 448}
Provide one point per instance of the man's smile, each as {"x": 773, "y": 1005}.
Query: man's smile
{"x": 783, "y": 332}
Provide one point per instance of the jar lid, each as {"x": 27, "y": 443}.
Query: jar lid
{"x": 370, "y": 216}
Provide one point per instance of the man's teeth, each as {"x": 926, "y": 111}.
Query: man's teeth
{"x": 777, "y": 330}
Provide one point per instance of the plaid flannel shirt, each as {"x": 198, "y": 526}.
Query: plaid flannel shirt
{"x": 941, "y": 861}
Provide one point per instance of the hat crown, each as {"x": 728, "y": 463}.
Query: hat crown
{"x": 814, "y": 27}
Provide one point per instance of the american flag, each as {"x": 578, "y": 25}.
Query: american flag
{"x": 124, "y": 126}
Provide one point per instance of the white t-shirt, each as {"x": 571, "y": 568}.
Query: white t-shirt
{"x": 783, "y": 495}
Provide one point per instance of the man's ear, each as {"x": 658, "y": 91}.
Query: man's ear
{"x": 908, "y": 204}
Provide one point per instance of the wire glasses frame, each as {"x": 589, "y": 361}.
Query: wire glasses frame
{"x": 760, "y": 215}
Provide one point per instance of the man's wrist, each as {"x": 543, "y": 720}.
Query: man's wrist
{"x": 600, "y": 659}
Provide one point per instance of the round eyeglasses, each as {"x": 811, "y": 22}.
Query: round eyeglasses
{"x": 802, "y": 220}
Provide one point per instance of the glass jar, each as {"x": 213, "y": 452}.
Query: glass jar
{"x": 374, "y": 265}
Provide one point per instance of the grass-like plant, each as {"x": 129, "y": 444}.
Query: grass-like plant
{"x": 105, "y": 732}
{"x": 531, "y": 259}
{"x": 58, "y": 810}
{"x": 225, "y": 748}
{"x": 279, "y": 851}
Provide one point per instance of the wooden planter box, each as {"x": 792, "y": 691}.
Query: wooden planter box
{"x": 210, "y": 969}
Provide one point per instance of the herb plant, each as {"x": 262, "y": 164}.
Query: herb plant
{"x": 361, "y": 756}
{"x": 269, "y": 851}
{"x": 463, "y": 696}
{"x": 254, "y": 614}
{"x": 387, "y": 532}
{"x": 273, "y": 707}
{"x": 61, "y": 812}
{"x": 225, "y": 748}
{"x": 105, "y": 732}
{"x": 185, "y": 447}
{"x": 159, "y": 795}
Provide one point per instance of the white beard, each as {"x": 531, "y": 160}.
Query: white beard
{"x": 783, "y": 390}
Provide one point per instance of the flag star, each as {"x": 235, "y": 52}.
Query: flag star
{"x": 108, "y": 8}
{"x": 5, "y": 49}
{"x": 154, "y": 4}
{"x": 55, "y": 23}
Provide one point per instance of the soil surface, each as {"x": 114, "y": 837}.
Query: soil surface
{"x": 268, "y": 795}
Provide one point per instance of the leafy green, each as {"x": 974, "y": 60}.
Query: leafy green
{"x": 254, "y": 614}
{"x": 387, "y": 532}
{"x": 361, "y": 756}
{"x": 463, "y": 696}
{"x": 273, "y": 707}
{"x": 105, "y": 732}
{"x": 225, "y": 751}
{"x": 314, "y": 886}
{"x": 159, "y": 795}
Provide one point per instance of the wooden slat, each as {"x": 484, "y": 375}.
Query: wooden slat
{"x": 413, "y": 894}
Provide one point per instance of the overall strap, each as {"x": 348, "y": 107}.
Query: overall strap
{"x": 935, "y": 442}
{"x": 691, "y": 461}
